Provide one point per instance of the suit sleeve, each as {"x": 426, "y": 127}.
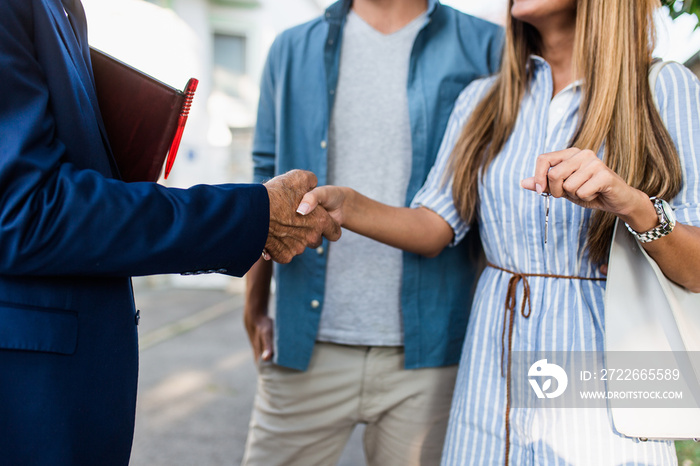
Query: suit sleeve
{"x": 58, "y": 219}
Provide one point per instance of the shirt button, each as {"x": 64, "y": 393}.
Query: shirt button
{"x": 332, "y": 91}
{"x": 137, "y": 317}
{"x": 319, "y": 250}
{"x": 315, "y": 304}
{"x": 323, "y": 144}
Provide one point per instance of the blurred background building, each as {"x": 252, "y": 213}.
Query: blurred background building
{"x": 224, "y": 44}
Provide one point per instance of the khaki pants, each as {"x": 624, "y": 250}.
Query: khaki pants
{"x": 306, "y": 418}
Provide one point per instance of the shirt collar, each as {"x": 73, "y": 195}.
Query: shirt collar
{"x": 337, "y": 11}
{"x": 540, "y": 63}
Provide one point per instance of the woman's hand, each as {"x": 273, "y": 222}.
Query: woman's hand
{"x": 332, "y": 198}
{"x": 582, "y": 178}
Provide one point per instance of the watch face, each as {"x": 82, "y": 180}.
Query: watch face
{"x": 668, "y": 213}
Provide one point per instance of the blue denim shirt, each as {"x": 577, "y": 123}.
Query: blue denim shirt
{"x": 296, "y": 100}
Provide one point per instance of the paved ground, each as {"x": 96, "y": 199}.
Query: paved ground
{"x": 197, "y": 380}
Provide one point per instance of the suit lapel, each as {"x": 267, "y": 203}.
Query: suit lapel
{"x": 70, "y": 42}
{"x": 80, "y": 58}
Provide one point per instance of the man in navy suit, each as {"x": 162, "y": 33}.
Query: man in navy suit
{"x": 72, "y": 233}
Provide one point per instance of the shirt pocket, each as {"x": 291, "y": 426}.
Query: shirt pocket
{"x": 38, "y": 329}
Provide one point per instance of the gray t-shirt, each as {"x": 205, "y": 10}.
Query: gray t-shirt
{"x": 370, "y": 151}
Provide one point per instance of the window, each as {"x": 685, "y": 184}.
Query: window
{"x": 229, "y": 62}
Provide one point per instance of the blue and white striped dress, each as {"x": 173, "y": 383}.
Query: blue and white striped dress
{"x": 567, "y": 314}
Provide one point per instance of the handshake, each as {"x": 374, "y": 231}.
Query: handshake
{"x": 291, "y": 232}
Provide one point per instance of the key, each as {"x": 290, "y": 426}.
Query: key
{"x": 546, "y": 215}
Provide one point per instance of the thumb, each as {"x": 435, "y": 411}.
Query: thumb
{"x": 308, "y": 202}
{"x": 529, "y": 183}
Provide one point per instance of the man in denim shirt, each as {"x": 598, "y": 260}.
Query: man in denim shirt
{"x": 363, "y": 333}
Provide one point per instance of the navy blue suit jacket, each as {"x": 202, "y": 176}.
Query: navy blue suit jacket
{"x": 71, "y": 235}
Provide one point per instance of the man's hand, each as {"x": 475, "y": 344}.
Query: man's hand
{"x": 259, "y": 326}
{"x": 290, "y": 232}
{"x": 260, "y": 329}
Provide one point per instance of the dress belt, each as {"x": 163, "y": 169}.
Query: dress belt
{"x": 509, "y": 316}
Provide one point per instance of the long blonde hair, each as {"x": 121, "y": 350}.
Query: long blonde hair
{"x": 612, "y": 53}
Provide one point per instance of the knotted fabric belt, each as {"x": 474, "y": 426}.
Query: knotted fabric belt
{"x": 509, "y": 320}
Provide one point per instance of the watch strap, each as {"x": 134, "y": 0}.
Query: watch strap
{"x": 664, "y": 228}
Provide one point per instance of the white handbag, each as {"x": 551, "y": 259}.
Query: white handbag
{"x": 645, "y": 311}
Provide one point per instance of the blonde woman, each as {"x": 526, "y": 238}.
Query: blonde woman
{"x": 571, "y": 114}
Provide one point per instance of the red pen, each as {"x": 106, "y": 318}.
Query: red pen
{"x": 189, "y": 95}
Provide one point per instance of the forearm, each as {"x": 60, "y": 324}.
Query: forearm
{"x": 257, "y": 291}
{"x": 677, "y": 254}
{"x": 420, "y": 231}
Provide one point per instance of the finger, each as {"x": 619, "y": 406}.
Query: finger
{"x": 314, "y": 232}
{"x": 312, "y": 180}
{"x": 266, "y": 255}
{"x": 529, "y": 183}
{"x": 256, "y": 350}
{"x": 558, "y": 174}
{"x": 332, "y": 232}
{"x": 306, "y": 179}
{"x": 266, "y": 338}
{"x": 286, "y": 255}
{"x": 547, "y": 161}
{"x": 591, "y": 189}
{"x": 318, "y": 241}
{"x": 576, "y": 180}
{"x": 331, "y": 228}
{"x": 309, "y": 202}
{"x": 283, "y": 256}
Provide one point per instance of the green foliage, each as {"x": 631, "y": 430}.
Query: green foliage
{"x": 679, "y": 7}
{"x": 688, "y": 453}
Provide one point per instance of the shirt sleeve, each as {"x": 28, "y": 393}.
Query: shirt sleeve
{"x": 265, "y": 139}
{"x": 436, "y": 193}
{"x": 678, "y": 95}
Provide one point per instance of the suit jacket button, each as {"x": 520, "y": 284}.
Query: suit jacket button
{"x": 137, "y": 317}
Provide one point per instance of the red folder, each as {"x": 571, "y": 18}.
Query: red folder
{"x": 144, "y": 118}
